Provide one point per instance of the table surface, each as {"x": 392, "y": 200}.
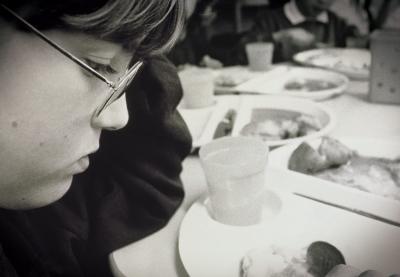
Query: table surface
{"x": 158, "y": 255}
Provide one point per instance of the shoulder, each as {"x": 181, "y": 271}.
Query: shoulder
{"x": 159, "y": 86}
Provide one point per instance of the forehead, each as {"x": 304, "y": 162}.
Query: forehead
{"x": 87, "y": 44}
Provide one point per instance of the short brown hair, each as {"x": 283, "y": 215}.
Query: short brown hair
{"x": 145, "y": 27}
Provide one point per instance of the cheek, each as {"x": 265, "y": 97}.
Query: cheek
{"x": 46, "y": 106}
{"x": 45, "y": 119}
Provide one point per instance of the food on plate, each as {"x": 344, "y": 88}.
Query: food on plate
{"x": 322, "y": 257}
{"x": 262, "y": 262}
{"x": 319, "y": 259}
{"x": 306, "y": 159}
{"x": 335, "y": 162}
{"x": 335, "y": 152}
{"x": 282, "y": 128}
{"x": 225, "y": 80}
{"x": 339, "y": 59}
{"x": 231, "y": 77}
{"x": 310, "y": 85}
{"x": 314, "y": 261}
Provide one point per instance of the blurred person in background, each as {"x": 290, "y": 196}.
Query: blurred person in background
{"x": 353, "y": 12}
{"x": 383, "y": 14}
{"x": 299, "y": 25}
{"x": 193, "y": 46}
{"x": 62, "y": 86}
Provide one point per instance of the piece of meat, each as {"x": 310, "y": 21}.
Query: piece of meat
{"x": 308, "y": 124}
{"x": 266, "y": 130}
{"x": 336, "y": 153}
{"x": 306, "y": 159}
{"x": 322, "y": 257}
{"x": 261, "y": 262}
{"x": 337, "y": 163}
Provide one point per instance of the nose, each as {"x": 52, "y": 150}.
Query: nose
{"x": 114, "y": 117}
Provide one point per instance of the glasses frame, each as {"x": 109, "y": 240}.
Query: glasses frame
{"x": 116, "y": 88}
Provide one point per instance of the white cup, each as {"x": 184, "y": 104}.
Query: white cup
{"x": 198, "y": 88}
{"x": 235, "y": 171}
{"x": 259, "y": 55}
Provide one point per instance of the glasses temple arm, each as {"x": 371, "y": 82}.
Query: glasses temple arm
{"x": 58, "y": 47}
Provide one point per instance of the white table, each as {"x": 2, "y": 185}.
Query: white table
{"x": 158, "y": 254}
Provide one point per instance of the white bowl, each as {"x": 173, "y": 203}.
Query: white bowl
{"x": 285, "y": 104}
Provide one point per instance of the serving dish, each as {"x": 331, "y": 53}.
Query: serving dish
{"x": 355, "y": 63}
{"x": 304, "y": 82}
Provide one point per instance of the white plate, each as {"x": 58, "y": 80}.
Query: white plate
{"x": 290, "y": 104}
{"x": 203, "y": 122}
{"x": 355, "y": 63}
{"x": 208, "y": 248}
{"x": 383, "y": 148}
{"x": 274, "y": 81}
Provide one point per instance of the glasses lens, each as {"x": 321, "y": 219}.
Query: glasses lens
{"x": 120, "y": 87}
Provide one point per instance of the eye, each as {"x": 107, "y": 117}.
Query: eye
{"x": 105, "y": 69}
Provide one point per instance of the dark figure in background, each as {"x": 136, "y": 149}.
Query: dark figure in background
{"x": 300, "y": 25}
{"x": 193, "y": 45}
{"x": 296, "y": 26}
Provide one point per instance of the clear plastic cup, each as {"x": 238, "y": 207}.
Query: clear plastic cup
{"x": 235, "y": 171}
{"x": 198, "y": 88}
{"x": 259, "y": 55}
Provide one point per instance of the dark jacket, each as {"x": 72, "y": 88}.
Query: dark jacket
{"x": 131, "y": 190}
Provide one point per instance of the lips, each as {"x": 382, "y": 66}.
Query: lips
{"x": 82, "y": 164}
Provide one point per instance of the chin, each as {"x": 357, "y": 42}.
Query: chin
{"x": 45, "y": 195}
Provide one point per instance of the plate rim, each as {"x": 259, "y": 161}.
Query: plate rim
{"x": 299, "y": 58}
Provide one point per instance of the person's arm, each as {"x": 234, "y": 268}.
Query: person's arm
{"x": 270, "y": 25}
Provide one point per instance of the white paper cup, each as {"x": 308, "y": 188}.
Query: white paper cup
{"x": 198, "y": 88}
{"x": 235, "y": 173}
{"x": 259, "y": 55}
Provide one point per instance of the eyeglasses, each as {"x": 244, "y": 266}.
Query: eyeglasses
{"x": 116, "y": 89}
